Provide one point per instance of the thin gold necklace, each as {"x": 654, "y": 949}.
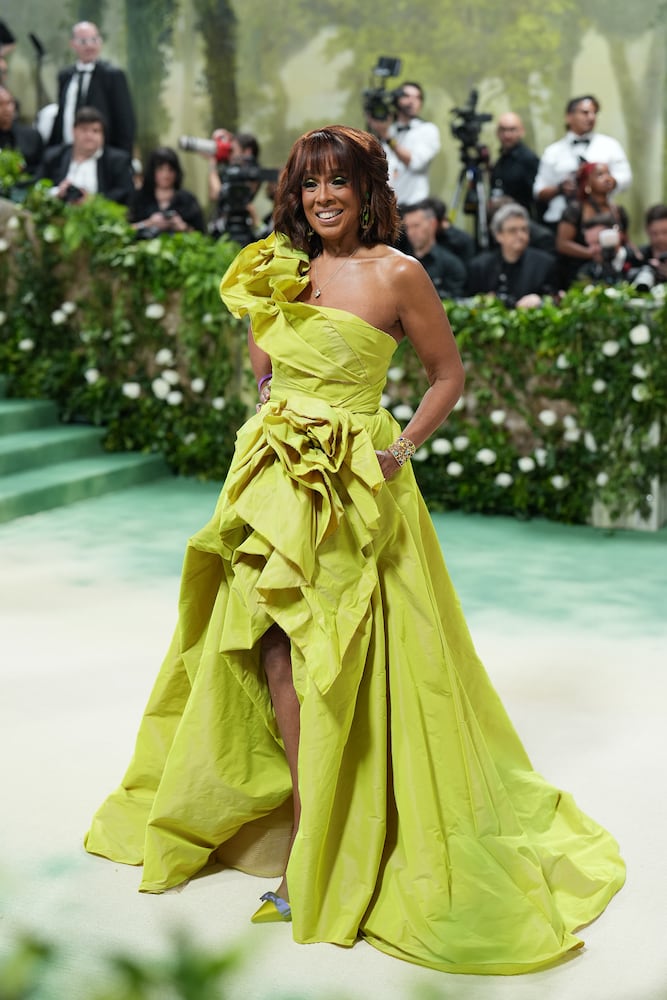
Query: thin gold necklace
{"x": 318, "y": 287}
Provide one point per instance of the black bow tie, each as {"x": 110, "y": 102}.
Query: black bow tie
{"x": 402, "y": 128}
{"x": 581, "y": 142}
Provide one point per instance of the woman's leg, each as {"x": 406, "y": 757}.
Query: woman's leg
{"x": 277, "y": 664}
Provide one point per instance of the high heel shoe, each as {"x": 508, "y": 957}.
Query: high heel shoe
{"x": 273, "y": 909}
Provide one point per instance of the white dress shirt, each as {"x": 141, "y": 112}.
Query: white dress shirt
{"x": 80, "y": 77}
{"x": 562, "y": 159}
{"x": 422, "y": 139}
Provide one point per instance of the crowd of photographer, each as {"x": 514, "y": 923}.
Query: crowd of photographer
{"x": 539, "y": 223}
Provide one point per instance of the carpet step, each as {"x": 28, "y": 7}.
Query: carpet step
{"x": 47, "y": 446}
{"x": 29, "y": 492}
{"x": 18, "y": 415}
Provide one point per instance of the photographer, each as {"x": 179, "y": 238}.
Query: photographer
{"x": 654, "y": 253}
{"x": 162, "y": 205}
{"x": 87, "y": 166}
{"x": 230, "y": 190}
{"x": 410, "y": 144}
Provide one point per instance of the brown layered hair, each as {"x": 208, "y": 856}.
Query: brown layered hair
{"x": 356, "y": 154}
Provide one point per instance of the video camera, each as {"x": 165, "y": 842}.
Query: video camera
{"x": 467, "y": 126}
{"x": 379, "y": 103}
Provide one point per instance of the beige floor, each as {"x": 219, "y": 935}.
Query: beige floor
{"x": 87, "y": 599}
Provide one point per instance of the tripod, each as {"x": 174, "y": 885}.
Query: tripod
{"x": 471, "y": 186}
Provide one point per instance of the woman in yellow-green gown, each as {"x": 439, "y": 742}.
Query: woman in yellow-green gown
{"x": 322, "y": 715}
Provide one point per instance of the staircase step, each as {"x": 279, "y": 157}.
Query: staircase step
{"x": 47, "y": 446}
{"x": 66, "y": 482}
{"x": 26, "y": 414}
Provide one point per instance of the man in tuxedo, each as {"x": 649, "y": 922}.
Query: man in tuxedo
{"x": 514, "y": 272}
{"x": 87, "y": 166}
{"x": 94, "y": 83}
{"x": 555, "y": 181}
{"x": 14, "y": 135}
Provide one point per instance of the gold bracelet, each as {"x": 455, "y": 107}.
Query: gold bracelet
{"x": 402, "y": 449}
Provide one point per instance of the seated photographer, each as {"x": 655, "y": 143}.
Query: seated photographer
{"x": 86, "y": 166}
{"x": 445, "y": 270}
{"x": 654, "y": 253}
{"x": 162, "y": 205}
{"x": 516, "y": 273}
{"x": 585, "y": 216}
{"x": 14, "y": 135}
{"x": 539, "y": 237}
{"x": 449, "y": 236}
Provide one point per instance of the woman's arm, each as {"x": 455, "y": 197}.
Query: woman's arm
{"x": 424, "y": 322}
{"x": 566, "y": 243}
{"x": 261, "y": 366}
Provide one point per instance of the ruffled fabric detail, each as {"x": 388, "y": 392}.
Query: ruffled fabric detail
{"x": 303, "y": 471}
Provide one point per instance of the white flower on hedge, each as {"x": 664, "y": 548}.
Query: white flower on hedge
{"x": 218, "y": 403}
{"x": 161, "y": 388}
{"x": 558, "y": 482}
{"x": 562, "y": 362}
{"x": 403, "y": 411}
{"x": 3, "y": 318}
{"x": 385, "y": 400}
{"x": 207, "y": 318}
{"x": 58, "y": 317}
{"x": 526, "y": 463}
{"x": 572, "y": 434}
{"x": 640, "y": 393}
{"x": 165, "y": 356}
{"x": 640, "y": 334}
{"x": 601, "y": 479}
{"x": 547, "y": 417}
{"x": 12, "y": 222}
{"x": 190, "y": 438}
{"x": 504, "y": 479}
{"x": 420, "y": 455}
{"x": 639, "y": 371}
{"x": 540, "y": 456}
{"x": 395, "y": 374}
{"x": 170, "y": 376}
{"x": 126, "y": 339}
{"x": 50, "y": 234}
{"x": 68, "y": 308}
{"x": 4, "y": 246}
{"x": 26, "y": 344}
{"x": 486, "y": 456}
{"x": 175, "y": 397}
{"x": 131, "y": 389}
{"x": 590, "y": 442}
{"x": 498, "y": 332}
{"x": 461, "y": 442}
{"x": 441, "y": 446}
{"x": 459, "y": 404}
{"x": 612, "y": 293}
{"x": 155, "y": 311}
{"x": 589, "y": 289}
{"x": 659, "y": 292}
{"x": 498, "y": 417}
{"x": 198, "y": 385}
{"x": 610, "y": 348}
{"x": 91, "y": 375}
{"x": 454, "y": 469}
{"x": 599, "y": 386}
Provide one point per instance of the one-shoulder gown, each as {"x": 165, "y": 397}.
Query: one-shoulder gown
{"x": 424, "y": 828}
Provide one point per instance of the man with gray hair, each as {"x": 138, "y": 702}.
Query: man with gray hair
{"x": 92, "y": 82}
{"x": 514, "y": 272}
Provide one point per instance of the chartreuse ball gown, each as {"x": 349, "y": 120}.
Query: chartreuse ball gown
{"x": 424, "y": 828}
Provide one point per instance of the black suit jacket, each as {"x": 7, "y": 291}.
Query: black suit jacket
{"x": 27, "y": 141}
{"x": 114, "y": 171}
{"x": 109, "y": 93}
{"x": 534, "y": 272}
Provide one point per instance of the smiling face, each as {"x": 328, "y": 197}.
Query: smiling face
{"x": 331, "y": 203}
